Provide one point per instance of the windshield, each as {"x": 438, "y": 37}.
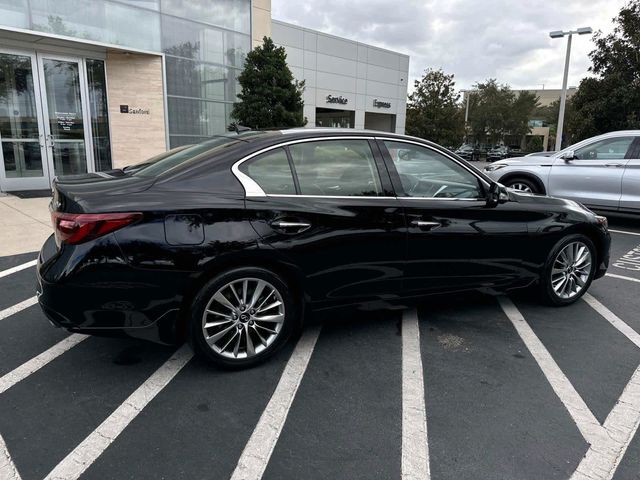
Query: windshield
{"x": 183, "y": 155}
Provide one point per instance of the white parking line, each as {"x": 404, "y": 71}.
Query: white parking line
{"x": 622, "y": 277}
{"x": 604, "y": 455}
{"x": 415, "y": 443}
{"x": 625, "y": 232}
{"x": 613, "y": 319}
{"x": 17, "y": 268}
{"x": 36, "y": 363}
{"x": 81, "y": 458}
{"x": 258, "y": 450}
{"x": 8, "y": 470}
{"x": 7, "y": 312}
{"x": 584, "y": 419}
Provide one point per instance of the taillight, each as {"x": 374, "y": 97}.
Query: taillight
{"x": 76, "y": 228}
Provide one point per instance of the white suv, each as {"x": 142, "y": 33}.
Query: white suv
{"x": 602, "y": 172}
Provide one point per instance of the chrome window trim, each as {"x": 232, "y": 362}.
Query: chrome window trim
{"x": 251, "y": 187}
{"x": 360, "y": 197}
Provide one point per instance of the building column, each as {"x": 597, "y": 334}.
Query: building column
{"x": 260, "y": 21}
{"x": 359, "y": 122}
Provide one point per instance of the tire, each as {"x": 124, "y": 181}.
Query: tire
{"x": 559, "y": 292}
{"x": 523, "y": 184}
{"x": 238, "y": 315}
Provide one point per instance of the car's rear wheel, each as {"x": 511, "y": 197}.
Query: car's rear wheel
{"x": 569, "y": 270}
{"x": 242, "y": 317}
{"x": 523, "y": 185}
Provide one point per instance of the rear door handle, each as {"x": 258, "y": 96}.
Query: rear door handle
{"x": 424, "y": 225}
{"x": 614, "y": 165}
{"x": 290, "y": 227}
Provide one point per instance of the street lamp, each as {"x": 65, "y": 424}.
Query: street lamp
{"x": 563, "y": 97}
{"x": 466, "y": 111}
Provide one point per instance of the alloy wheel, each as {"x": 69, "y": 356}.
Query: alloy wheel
{"x": 521, "y": 187}
{"x": 571, "y": 270}
{"x": 243, "y": 318}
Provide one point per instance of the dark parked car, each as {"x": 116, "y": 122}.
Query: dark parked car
{"x": 229, "y": 242}
{"x": 468, "y": 152}
{"x": 497, "y": 153}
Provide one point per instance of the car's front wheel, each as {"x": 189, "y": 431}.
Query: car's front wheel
{"x": 522, "y": 185}
{"x": 242, "y": 317}
{"x": 569, "y": 270}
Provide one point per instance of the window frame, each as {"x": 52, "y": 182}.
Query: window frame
{"x": 483, "y": 182}
{"x": 252, "y": 189}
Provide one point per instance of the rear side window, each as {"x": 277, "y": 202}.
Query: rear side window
{"x": 272, "y": 172}
{"x": 336, "y": 168}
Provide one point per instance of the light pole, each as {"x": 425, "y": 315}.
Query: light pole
{"x": 466, "y": 112}
{"x": 563, "y": 97}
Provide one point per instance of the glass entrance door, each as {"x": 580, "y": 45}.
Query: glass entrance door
{"x": 23, "y": 164}
{"x": 65, "y": 112}
{"x": 45, "y": 121}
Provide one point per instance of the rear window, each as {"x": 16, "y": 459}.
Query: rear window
{"x": 193, "y": 153}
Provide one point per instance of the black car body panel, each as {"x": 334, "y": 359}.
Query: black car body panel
{"x": 198, "y": 220}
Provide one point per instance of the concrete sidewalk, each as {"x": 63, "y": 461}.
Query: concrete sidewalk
{"x": 24, "y": 224}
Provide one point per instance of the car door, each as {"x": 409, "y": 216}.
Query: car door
{"x": 630, "y": 198}
{"x": 327, "y": 209}
{"x": 455, "y": 241}
{"x": 594, "y": 175}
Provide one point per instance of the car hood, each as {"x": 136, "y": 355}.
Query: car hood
{"x": 526, "y": 161}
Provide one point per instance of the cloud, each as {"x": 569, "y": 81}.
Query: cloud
{"x": 474, "y": 40}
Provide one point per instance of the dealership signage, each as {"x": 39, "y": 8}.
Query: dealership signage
{"x": 378, "y": 104}
{"x": 340, "y": 99}
{"x": 133, "y": 111}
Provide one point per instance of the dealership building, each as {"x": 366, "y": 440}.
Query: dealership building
{"x": 87, "y": 85}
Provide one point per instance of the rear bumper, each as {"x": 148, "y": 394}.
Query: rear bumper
{"x": 114, "y": 301}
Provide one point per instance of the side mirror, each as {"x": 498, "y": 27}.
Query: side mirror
{"x": 497, "y": 194}
{"x": 568, "y": 155}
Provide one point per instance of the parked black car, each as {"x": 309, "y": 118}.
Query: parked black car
{"x": 230, "y": 241}
{"x": 468, "y": 152}
{"x": 497, "y": 153}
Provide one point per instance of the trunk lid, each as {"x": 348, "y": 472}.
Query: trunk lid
{"x": 95, "y": 192}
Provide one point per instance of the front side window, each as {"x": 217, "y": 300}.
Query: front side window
{"x": 336, "y": 168}
{"x": 608, "y": 149}
{"x": 429, "y": 174}
{"x": 272, "y": 172}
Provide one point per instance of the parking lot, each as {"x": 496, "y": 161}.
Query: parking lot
{"x": 510, "y": 390}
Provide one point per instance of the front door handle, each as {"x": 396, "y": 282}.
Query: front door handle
{"x": 613, "y": 165}
{"x": 290, "y": 227}
{"x": 424, "y": 225}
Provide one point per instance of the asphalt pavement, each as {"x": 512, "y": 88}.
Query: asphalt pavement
{"x": 509, "y": 389}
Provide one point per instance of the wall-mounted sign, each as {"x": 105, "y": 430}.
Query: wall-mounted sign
{"x": 133, "y": 111}
{"x": 378, "y": 104}
{"x": 341, "y": 100}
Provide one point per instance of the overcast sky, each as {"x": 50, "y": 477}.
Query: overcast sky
{"x": 474, "y": 40}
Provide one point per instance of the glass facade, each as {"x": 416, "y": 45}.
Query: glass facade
{"x": 204, "y": 41}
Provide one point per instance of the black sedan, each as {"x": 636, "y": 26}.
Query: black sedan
{"x": 229, "y": 242}
{"x": 468, "y": 152}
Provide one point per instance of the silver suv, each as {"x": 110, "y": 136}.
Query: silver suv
{"x": 602, "y": 172}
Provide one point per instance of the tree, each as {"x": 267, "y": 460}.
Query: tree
{"x": 611, "y": 100}
{"x": 270, "y": 96}
{"x": 495, "y": 111}
{"x": 433, "y": 112}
